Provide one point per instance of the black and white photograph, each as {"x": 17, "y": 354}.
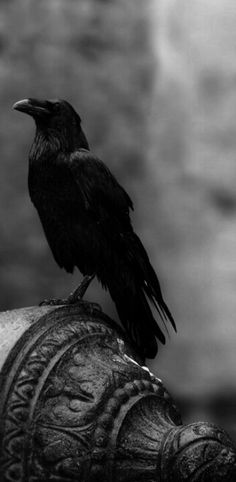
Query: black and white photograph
{"x": 118, "y": 241}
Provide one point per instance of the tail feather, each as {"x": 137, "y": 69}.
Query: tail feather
{"x": 140, "y": 284}
{"x": 136, "y": 316}
{"x": 153, "y": 292}
{"x": 150, "y": 282}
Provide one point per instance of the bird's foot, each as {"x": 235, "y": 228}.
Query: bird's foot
{"x": 54, "y": 302}
{"x": 75, "y": 298}
{"x": 86, "y": 305}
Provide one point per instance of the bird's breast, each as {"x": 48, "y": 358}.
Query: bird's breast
{"x": 54, "y": 185}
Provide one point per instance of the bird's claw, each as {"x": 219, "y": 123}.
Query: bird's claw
{"x": 53, "y": 302}
{"x": 88, "y": 305}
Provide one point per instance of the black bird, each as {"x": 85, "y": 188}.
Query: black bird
{"x": 85, "y": 215}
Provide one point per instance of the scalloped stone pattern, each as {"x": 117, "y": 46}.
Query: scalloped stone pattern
{"x": 77, "y": 405}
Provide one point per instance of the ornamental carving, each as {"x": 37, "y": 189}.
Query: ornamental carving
{"x": 76, "y": 405}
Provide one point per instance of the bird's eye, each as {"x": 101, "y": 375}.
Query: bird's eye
{"x": 56, "y": 106}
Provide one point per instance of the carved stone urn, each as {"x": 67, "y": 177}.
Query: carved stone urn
{"x": 76, "y": 405}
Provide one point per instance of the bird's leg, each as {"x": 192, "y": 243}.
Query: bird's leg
{"x": 79, "y": 292}
{"x": 76, "y": 297}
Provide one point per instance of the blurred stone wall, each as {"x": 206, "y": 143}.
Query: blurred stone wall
{"x": 193, "y": 161}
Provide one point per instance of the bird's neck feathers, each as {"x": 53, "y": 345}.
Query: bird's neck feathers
{"x": 44, "y": 145}
{"x": 49, "y": 143}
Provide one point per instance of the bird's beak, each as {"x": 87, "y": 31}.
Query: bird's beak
{"x": 32, "y": 107}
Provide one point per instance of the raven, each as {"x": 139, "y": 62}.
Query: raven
{"x": 85, "y": 214}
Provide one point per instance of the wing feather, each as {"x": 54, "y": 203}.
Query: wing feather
{"x": 101, "y": 192}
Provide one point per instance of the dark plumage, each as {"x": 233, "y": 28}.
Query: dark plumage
{"x": 85, "y": 215}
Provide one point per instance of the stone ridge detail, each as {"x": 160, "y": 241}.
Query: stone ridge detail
{"x": 76, "y": 405}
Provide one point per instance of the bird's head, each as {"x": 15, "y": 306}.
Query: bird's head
{"x": 55, "y": 119}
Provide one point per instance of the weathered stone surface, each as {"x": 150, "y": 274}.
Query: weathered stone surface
{"x": 14, "y": 323}
{"x": 77, "y": 405}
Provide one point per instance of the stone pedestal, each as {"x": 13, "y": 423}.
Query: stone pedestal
{"x": 76, "y": 405}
